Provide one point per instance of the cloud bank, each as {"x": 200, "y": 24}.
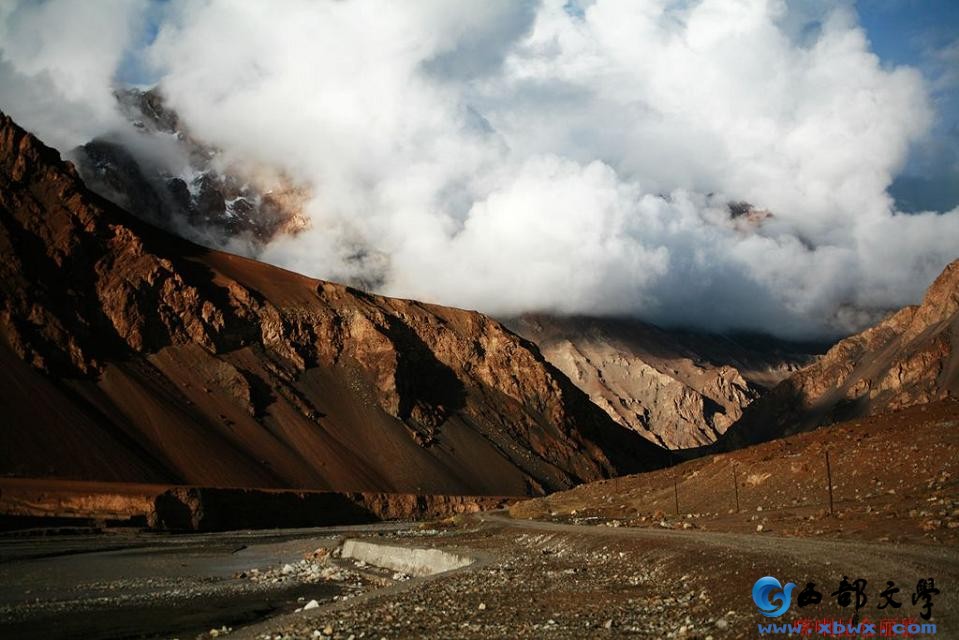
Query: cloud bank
{"x": 512, "y": 156}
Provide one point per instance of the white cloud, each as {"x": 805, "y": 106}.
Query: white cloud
{"x": 57, "y": 63}
{"x": 514, "y": 156}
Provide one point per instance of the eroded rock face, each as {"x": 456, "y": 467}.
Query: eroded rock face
{"x": 202, "y": 509}
{"x": 675, "y": 388}
{"x": 213, "y": 369}
{"x": 908, "y": 359}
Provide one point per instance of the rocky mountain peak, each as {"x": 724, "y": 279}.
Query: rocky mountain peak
{"x": 941, "y": 301}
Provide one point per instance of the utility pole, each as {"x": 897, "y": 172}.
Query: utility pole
{"x": 676, "y": 495}
{"x": 736, "y": 487}
{"x": 829, "y": 482}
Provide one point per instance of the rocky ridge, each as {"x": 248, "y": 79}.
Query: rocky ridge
{"x": 908, "y": 359}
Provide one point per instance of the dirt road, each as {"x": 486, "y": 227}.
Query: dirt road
{"x": 854, "y": 557}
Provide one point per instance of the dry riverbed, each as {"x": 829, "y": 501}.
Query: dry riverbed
{"x": 128, "y": 584}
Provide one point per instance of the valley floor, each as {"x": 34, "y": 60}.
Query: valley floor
{"x": 530, "y": 579}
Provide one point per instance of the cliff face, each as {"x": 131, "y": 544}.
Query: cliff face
{"x": 677, "y": 389}
{"x": 908, "y": 359}
{"x": 129, "y": 354}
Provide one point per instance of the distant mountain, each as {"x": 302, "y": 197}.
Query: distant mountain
{"x": 128, "y": 354}
{"x": 908, "y": 359}
{"x": 161, "y": 173}
{"x": 677, "y": 388}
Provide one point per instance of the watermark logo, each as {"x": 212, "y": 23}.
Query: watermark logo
{"x": 768, "y": 591}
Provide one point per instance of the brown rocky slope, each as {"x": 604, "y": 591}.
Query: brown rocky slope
{"x": 677, "y": 388}
{"x": 131, "y": 355}
{"x": 908, "y": 359}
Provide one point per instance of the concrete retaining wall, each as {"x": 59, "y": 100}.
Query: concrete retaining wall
{"x": 408, "y": 560}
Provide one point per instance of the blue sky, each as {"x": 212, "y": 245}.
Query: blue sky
{"x": 918, "y": 33}
{"x": 906, "y": 31}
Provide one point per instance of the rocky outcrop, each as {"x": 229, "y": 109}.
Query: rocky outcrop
{"x": 676, "y": 388}
{"x": 161, "y": 361}
{"x": 203, "y": 509}
{"x": 908, "y": 359}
